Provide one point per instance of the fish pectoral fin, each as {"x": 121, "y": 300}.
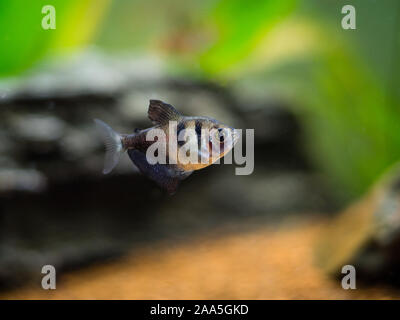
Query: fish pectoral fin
{"x": 166, "y": 176}
{"x": 160, "y": 112}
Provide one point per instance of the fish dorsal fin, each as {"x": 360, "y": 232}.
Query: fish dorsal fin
{"x": 161, "y": 113}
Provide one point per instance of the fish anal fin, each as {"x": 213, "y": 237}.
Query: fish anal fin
{"x": 165, "y": 175}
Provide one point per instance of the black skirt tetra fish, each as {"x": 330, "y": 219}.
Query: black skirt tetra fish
{"x": 190, "y": 143}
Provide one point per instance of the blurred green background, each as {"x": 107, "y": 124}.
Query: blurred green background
{"x": 344, "y": 84}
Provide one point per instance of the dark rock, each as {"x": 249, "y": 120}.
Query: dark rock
{"x": 367, "y": 234}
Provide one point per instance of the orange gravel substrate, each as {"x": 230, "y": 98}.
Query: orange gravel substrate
{"x": 267, "y": 263}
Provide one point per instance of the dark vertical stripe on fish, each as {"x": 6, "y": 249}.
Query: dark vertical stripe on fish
{"x": 179, "y": 128}
{"x": 198, "y": 127}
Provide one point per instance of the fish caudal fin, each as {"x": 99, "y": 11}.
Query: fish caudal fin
{"x": 113, "y": 143}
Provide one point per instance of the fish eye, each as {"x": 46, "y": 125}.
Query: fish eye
{"x": 221, "y": 134}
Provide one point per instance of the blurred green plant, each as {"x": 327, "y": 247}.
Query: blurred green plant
{"x": 241, "y": 26}
{"x": 344, "y": 83}
{"x": 23, "y": 41}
